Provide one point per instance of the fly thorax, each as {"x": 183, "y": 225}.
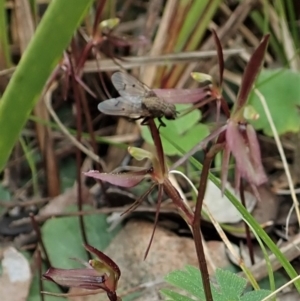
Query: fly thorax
{"x": 150, "y": 94}
{"x": 155, "y": 106}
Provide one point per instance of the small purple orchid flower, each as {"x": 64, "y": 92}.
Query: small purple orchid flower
{"x": 242, "y": 142}
{"x": 237, "y": 137}
{"x": 100, "y": 274}
{"x": 240, "y": 137}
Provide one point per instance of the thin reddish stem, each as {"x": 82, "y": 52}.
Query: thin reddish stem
{"x": 99, "y": 11}
{"x": 39, "y": 264}
{"x": 139, "y": 200}
{"x": 196, "y": 227}
{"x": 158, "y": 145}
{"x": 37, "y": 230}
{"x": 78, "y": 153}
{"x": 91, "y": 133}
{"x": 173, "y": 194}
{"x": 159, "y": 197}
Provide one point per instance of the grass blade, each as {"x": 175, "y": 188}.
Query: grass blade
{"x": 36, "y": 65}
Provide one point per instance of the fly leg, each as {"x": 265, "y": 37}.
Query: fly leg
{"x": 139, "y": 200}
{"x": 145, "y": 121}
{"x": 161, "y": 123}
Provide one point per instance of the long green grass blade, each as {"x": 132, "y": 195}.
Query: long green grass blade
{"x": 203, "y": 24}
{"x": 190, "y": 23}
{"x": 40, "y": 58}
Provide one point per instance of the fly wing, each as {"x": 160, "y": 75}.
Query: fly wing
{"x": 183, "y": 96}
{"x": 128, "y": 86}
{"x": 130, "y": 107}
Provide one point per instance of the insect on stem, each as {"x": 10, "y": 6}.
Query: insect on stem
{"x": 136, "y": 101}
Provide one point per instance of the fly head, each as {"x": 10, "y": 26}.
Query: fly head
{"x": 170, "y": 112}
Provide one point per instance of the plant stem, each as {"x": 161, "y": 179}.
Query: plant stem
{"x": 159, "y": 197}
{"x": 91, "y": 132}
{"x": 193, "y": 220}
{"x": 247, "y": 229}
{"x": 158, "y": 145}
{"x": 196, "y": 227}
{"x": 37, "y": 230}
{"x": 173, "y": 194}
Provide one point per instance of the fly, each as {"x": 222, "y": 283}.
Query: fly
{"x": 136, "y": 101}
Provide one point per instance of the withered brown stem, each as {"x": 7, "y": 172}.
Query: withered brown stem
{"x": 37, "y": 230}
{"x": 91, "y": 132}
{"x": 247, "y": 229}
{"x": 78, "y": 153}
{"x": 82, "y": 96}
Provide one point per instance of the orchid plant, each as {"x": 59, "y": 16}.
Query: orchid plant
{"x": 237, "y": 137}
{"x": 158, "y": 174}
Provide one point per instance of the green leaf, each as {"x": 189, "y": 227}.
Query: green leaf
{"x": 281, "y": 90}
{"x": 175, "y": 296}
{"x": 186, "y": 281}
{"x": 63, "y": 240}
{"x": 190, "y": 280}
{"x": 185, "y": 130}
{"x": 255, "y": 295}
{"x": 67, "y": 172}
{"x": 37, "y": 63}
{"x": 4, "y": 194}
{"x": 231, "y": 285}
{"x": 196, "y": 279}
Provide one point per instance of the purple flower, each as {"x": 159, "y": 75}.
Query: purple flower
{"x": 242, "y": 142}
{"x": 102, "y": 273}
{"x": 238, "y": 137}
